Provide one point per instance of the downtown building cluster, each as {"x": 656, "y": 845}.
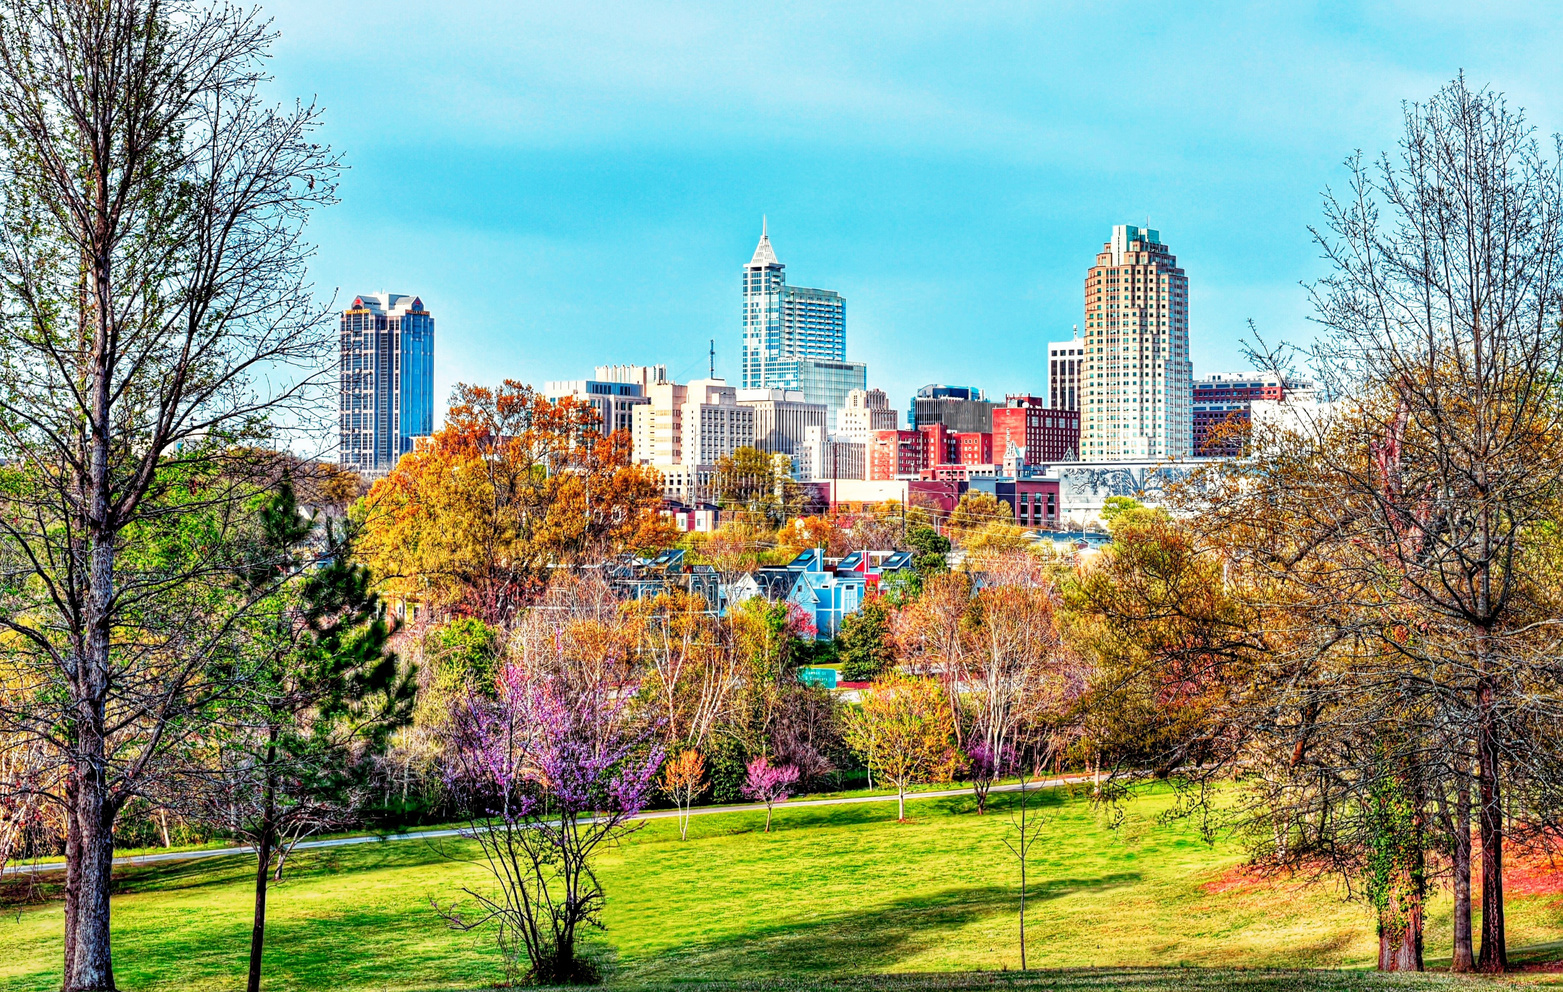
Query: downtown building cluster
{"x": 1117, "y": 411}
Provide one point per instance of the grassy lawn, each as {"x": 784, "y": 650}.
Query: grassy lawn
{"x": 839, "y": 893}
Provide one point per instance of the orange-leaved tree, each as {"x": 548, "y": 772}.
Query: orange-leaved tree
{"x": 683, "y": 778}
{"x": 513, "y": 484}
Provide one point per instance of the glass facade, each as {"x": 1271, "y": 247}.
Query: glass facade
{"x": 784, "y": 324}
{"x": 822, "y": 382}
{"x": 385, "y": 380}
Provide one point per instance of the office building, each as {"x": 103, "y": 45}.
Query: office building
{"x": 1137, "y": 382}
{"x": 386, "y": 380}
{"x": 932, "y": 392}
{"x": 795, "y": 337}
{"x": 781, "y": 417}
{"x": 1222, "y": 410}
{"x": 821, "y": 457}
{"x": 960, "y": 408}
{"x": 715, "y": 425}
{"x": 690, "y": 425}
{"x": 683, "y": 430}
{"x": 818, "y": 381}
{"x": 866, "y": 412}
{"x": 657, "y": 426}
{"x": 1064, "y": 361}
{"x": 615, "y": 402}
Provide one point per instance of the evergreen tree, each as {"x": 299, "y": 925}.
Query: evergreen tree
{"x": 322, "y": 694}
{"x": 929, "y": 549}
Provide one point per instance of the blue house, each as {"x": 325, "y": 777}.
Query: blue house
{"x": 828, "y": 591}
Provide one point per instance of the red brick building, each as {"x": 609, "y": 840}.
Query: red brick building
{"x": 974, "y": 448}
{"x": 1043, "y": 433}
{"x": 939, "y": 445}
{"x": 893, "y": 453}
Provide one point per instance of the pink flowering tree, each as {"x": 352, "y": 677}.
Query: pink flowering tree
{"x": 769, "y": 784}
{"x": 549, "y": 774}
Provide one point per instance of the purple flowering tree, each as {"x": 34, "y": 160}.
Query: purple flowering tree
{"x": 986, "y": 766}
{"x": 769, "y": 784}
{"x": 549, "y": 774}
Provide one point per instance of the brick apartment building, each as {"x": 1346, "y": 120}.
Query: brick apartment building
{"x": 894, "y": 453}
{"x": 974, "y": 448}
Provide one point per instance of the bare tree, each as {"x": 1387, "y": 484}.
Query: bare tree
{"x": 155, "y": 320}
{"x": 1442, "y": 314}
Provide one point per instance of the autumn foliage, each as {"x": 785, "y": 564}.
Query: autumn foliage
{"x": 513, "y": 484}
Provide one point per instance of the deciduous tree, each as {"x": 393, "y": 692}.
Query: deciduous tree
{"x": 511, "y": 485}
{"x": 155, "y": 315}
{"x": 769, "y": 784}
{"x": 551, "y": 771}
{"x": 903, "y": 730}
{"x": 683, "y": 778}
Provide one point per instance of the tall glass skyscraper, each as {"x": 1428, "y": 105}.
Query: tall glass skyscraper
{"x": 794, "y": 337}
{"x": 386, "y": 380}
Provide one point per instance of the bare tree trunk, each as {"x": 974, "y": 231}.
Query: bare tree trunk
{"x": 72, "y": 879}
{"x": 1460, "y": 858}
{"x": 92, "y": 968}
{"x": 263, "y": 869}
{"x": 1024, "y": 802}
{"x": 258, "y": 929}
{"x": 900, "y": 800}
{"x": 162, "y": 822}
{"x": 1494, "y": 956}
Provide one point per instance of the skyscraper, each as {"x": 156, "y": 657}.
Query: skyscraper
{"x": 386, "y": 380}
{"x": 794, "y": 337}
{"x": 1137, "y": 384}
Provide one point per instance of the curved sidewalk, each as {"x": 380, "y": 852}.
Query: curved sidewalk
{"x": 661, "y": 814}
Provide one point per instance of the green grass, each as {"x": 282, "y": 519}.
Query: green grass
{"x": 836, "y": 897}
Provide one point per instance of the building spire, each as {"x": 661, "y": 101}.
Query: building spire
{"x": 764, "y": 255}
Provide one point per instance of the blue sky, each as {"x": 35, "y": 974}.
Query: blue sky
{"x": 575, "y": 184}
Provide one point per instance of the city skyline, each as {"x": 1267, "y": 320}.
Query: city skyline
{"x": 585, "y": 182}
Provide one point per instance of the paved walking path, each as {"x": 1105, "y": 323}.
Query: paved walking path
{"x": 661, "y": 814}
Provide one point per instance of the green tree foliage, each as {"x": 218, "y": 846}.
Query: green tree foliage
{"x": 320, "y": 694}
{"x": 929, "y": 549}
{"x": 866, "y": 649}
{"x": 1114, "y": 507}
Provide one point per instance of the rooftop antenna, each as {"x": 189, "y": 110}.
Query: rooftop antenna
{"x": 713, "y": 358}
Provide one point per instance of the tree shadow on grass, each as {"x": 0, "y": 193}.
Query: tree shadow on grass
{"x": 866, "y": 940}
